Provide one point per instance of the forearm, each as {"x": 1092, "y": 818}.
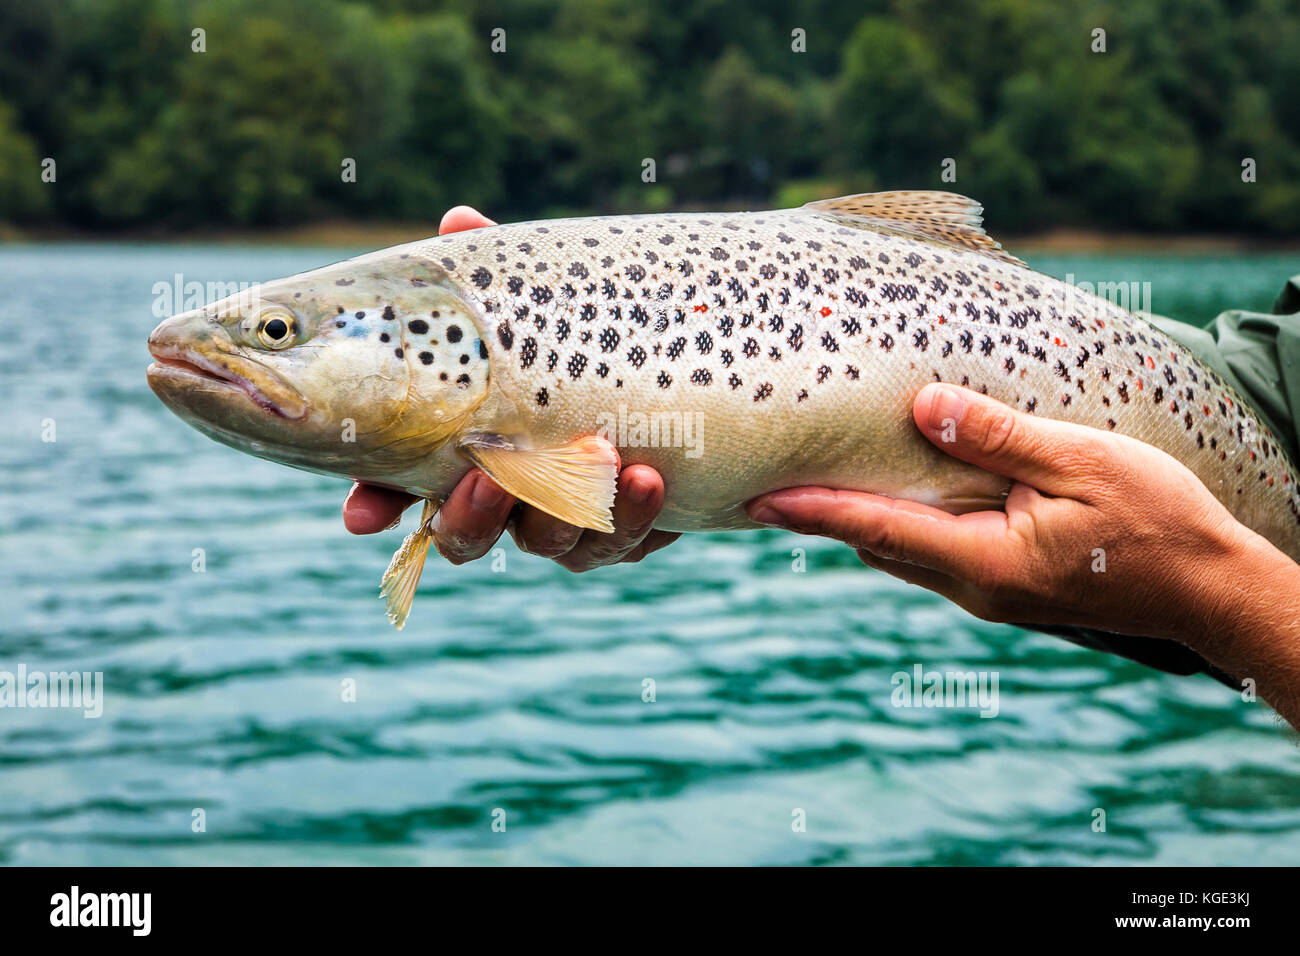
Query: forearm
{"x": 1254, "y": 631}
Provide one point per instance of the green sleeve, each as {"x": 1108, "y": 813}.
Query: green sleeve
{"x": 1257, "y": 354}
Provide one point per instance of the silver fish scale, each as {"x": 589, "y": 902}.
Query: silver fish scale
{"x": 759, "y": 314}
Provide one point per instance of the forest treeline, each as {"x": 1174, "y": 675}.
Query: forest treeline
{"x": 257, "y": 128}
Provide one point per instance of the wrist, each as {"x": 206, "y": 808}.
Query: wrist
{"x": 1249, "y": 618}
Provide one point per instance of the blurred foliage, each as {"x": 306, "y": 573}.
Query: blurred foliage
{"x": 255, "y": 130}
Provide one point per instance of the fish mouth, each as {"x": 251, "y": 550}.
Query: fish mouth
{"x": 185, "y": 368}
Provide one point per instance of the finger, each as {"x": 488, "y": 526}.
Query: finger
{"x": 462, "y": 218}
{"x": 545, "y": 535}
{"x": 653, "y": 542}
{"x": 369, "y": 508}
{"x": 927, "y": 578}
{"x": 1059, "y": 458}
{"x": 471, "y": 519}
{"x": 891, "y": 528}
{"x": 637, "y": 504}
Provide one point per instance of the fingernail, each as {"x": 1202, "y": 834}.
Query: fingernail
{"x": 766, "y": 514}
{"x": 946, "y": 409}
{"x": 487, "y": 496}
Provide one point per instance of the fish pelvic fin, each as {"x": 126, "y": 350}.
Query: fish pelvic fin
{"x": 574, "y": 482}
{"x": 943, "y": 217}
{"x": 397, "y": 587}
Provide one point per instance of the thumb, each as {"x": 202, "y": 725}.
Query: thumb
{"x": 1054, "y": 457}
{"x": 462, "y": 218}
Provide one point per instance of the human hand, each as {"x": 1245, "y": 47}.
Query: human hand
{"x": 1100, "y": 530}
{"x": 476, "y": 512}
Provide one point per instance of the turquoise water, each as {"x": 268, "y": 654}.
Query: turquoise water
{"x": 521, "y": 688}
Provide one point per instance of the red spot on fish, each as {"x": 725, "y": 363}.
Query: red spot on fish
{"x": 1151, "y": 363}
{"x": 825, "y": 311}
{"x": 1270, "y": 481}
{"x": 1059, "y": 341}
{"x": 1140, "y": 385}
{"x": 1252, "y": 454}
{"x": 701, "y": 308}
{"x": 1206, "y": 409}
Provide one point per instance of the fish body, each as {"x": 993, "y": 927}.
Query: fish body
{"x": 736, "y": 353}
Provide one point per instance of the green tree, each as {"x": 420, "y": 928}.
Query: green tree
{"x": 23, "y": 196}
{"x": 897, "y": 114}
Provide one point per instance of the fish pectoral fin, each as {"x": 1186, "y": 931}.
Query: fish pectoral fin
{"x": 949, "y": 218}
{"x": 397, "y": 587}
{"x": 573, "y": 482}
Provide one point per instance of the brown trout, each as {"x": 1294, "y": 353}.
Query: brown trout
{"x": 736, "y": 353}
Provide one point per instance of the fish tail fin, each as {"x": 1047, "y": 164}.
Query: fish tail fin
{"x": 397, "y": 587}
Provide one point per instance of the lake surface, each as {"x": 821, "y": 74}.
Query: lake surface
{"x": 516, "y": 692}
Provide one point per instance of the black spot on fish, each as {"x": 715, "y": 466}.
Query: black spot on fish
{"x": 505, "y": 336}
{"x": 426, "y": 358}
{"x": 418, "y": 326}
{"x": 481, "y": 277}
{"x": 398, "y": 352}
{"x": 389, "y": 314}
{"x": 454, "y": 333}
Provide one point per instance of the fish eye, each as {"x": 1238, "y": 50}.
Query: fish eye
{"x": 277, "y": 331}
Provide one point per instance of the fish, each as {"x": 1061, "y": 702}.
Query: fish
{"x": 737, "y": 353}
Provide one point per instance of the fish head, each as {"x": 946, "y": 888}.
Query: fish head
{"x": 361, "y": 369}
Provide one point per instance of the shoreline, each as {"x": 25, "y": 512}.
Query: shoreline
{"x": 379, "y": 235}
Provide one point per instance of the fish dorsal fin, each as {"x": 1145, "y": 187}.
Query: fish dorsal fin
{"x": 937, "y": 216}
